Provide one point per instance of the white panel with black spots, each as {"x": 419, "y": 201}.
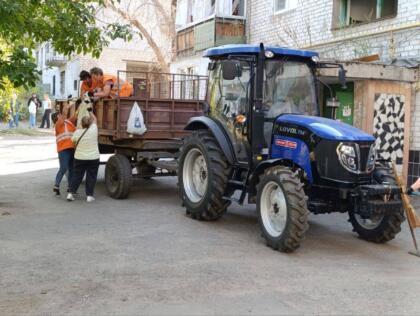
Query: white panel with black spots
{"x": 388, "y": 126}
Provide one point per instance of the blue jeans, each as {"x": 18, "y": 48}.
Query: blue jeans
{"x": 66, "y": 158}
{"x": 11, "y": 122}
{"x": 32, "y": 120}
{"x": 16, "y": 117}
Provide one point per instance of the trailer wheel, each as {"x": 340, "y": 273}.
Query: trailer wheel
{"x": 282, "y": 209}
{"x": 203, "y": 176}
{"x": 380, "y": 228}
{"x": 118, "y": 176}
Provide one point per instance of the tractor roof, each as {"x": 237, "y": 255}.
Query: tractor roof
{"x": 247, "y": 49}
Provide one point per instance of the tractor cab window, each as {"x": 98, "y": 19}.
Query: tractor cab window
{"x": 289, "y": 88}
{"x": 228, "y": 99}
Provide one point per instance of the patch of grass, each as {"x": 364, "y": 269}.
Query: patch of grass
{"x": 22, "y": 131}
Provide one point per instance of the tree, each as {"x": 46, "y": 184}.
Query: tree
{"x": 155, "y": 22}
{"x": 69, "y": 25}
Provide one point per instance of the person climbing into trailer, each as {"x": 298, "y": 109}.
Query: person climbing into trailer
{"x": 86, "y": 157}
{"x": 109, "y": 85}
{"x": 88, "y": 84}
{"x": 64, "y": 129}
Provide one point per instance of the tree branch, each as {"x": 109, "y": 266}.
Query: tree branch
{"x": 150, "y": 41}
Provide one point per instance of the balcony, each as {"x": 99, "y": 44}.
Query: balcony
{"x": 213, "y": 32}
{"x": 55, "y": 60}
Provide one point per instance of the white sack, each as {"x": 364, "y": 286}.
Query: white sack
{"x": 135, "y": 123}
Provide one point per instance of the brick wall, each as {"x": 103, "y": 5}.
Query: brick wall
{"x": 309, "y": 26}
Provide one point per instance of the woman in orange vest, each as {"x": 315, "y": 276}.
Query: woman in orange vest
{"x": 110, "y": 85}
{"x": 64, "y": 130}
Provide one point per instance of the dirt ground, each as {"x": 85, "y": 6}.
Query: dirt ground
{"x": 144, "y": 256}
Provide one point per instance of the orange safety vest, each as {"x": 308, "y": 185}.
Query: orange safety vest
{"x": 64, "y": 131}
{"x": 125, "y": 89}
{"x": 86, "y": 88}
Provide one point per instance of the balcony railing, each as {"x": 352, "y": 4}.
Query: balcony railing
{"x": 55, "y": 60}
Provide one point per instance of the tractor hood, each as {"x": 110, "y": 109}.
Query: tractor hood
{"x": 326, "y": 128}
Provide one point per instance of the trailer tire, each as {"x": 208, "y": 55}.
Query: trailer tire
{"x": 118, "y": 173}
{"x": 282, "y": 208}
{"x": 389, "y": 225}
{"x": 203, "y": 176}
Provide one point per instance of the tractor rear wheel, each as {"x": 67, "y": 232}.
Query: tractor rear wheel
{"x": 282, "y": 208}
{"x": 118, "y": 176}
{"x": 384, "y": 227}
{"x": 203, "y": 176}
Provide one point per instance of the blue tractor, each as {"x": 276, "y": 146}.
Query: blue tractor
{"x": 262, "y": 136}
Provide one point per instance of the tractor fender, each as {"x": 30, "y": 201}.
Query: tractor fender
{"x": 262, "y": 166}
{"x": 204, "y": 122}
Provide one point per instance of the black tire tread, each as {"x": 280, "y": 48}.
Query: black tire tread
{"x": 297, "y": 201}
{"x": 220, "y": 170}
{"x": 123, "y": 166}
{"x": 391, "y": 224}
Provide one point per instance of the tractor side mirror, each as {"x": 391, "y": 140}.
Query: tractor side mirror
{"x": 342, "y": 78}
{"x": 229, "y": 69}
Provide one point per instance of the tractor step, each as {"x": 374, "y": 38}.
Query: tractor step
{"x": 237, "y": 184}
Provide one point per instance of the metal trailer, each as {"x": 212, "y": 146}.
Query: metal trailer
{"x": 168, "y": 102}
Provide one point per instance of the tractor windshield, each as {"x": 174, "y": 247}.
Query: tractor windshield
{"x": 289, "y": 88}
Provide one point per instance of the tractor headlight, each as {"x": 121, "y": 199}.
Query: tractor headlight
{"x": 371, "y": 159}
{"x": 347, "y": 156}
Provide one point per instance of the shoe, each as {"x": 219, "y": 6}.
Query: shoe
{"x": 56, "y": 191}
{"x": 90, "y": 199}
{"x": 70, "y": 197}
{"x": 74, "y": 194}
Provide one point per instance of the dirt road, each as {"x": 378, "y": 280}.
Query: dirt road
{"x": 144, "y": 256}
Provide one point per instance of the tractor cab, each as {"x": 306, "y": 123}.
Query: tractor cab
{"x": 250, "y": 85}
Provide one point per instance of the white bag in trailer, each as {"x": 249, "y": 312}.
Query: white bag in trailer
{"x": 135, "y": 123}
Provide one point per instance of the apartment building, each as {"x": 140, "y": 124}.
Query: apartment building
{"x": 201, "y": 24}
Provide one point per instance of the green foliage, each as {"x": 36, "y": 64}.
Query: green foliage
{"x": 69, "y": 25}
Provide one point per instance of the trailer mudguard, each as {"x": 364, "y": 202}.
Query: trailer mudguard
{"x": 204, "y": 122}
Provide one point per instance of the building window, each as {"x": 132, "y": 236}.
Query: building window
{"x": 53, "y": 86}
{"x": 194, "y": 11}
{"x": 75, "y": 85}
{"x": 353, "y": 12}
{"x": 284, "y": 5}
{"x": 62, "y": 82}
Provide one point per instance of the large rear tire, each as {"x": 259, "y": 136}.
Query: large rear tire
{"x": 118, "y": 173}
{"x": 380, "y": 228}
{"x": 282, "y": 208}
{"x": 203, "y": 176}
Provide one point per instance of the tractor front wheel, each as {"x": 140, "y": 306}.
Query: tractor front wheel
{"x": 282, "y": 209}
{"x": 380, "y": 228}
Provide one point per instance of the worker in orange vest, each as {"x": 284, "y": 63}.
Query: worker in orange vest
{"x": 89, "y": 85}
{"x": 64, "y": 129}
{"x": 110, "y": 85}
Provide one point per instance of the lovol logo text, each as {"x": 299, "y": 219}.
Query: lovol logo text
{"x": 291, "y": 130}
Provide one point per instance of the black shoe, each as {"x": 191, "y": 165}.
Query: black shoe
{"x": 56, "y": 191}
